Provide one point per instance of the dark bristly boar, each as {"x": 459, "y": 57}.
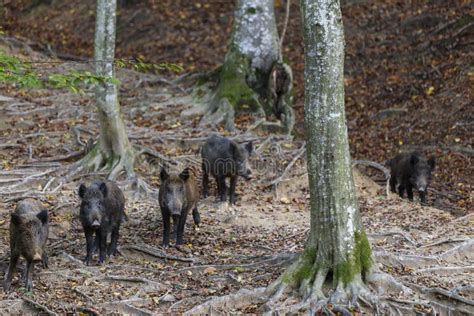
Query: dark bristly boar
{"x": 102, "y": 212}
{"x": 178, "y": 194}
{"x": 28, "y": 236}
{"x": 224, "y": 158}
{"x": 411, "y": 170}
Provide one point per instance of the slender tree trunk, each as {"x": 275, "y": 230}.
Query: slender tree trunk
{"x": 114, "y": 150}
{"x": 337, "y": 244}
{"x": 243, "y": 82}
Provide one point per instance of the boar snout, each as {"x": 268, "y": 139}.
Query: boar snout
{"x": 248, "y": 175}
{"x": 95, "y": 224}
{"x": 37, "y": 257}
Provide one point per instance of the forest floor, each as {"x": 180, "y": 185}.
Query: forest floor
{"x": 408, "y": 74}
{"x": 235, "y": 247}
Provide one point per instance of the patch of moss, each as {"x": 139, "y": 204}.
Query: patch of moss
{"x": 360, "y": 261}
{"x": 363, "y": 251}
{"x": 304, "y": 268}
{"x": 251, "y": 10}
{"x": 233, "y": 85}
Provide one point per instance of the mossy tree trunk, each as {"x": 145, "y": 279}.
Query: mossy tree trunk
{"x": 243, "y": 82}
{"x": 113, "y": 150}
{"x": 337, "y": 245}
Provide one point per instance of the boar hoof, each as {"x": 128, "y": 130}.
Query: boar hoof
{"x": 29, "y": 286}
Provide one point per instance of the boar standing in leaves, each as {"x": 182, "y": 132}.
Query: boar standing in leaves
{"x": 411, "y": 170}
{"x": 224, "y": 158}
{"x": 102, "y": 212}
{"x": 178, "y": 194}
{"x": 28, "y": 236}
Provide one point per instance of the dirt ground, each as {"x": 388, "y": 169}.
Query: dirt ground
{"x": 245, "y": 246}
{"x": 408, "y": 71}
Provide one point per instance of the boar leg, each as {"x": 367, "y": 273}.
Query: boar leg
{"x": 96, "y": 244}
{"x": 205, "y": 181}
{"x": 393, "y": 184}
{"x": 102, "y": 244}
{"x": 233, "y": 183}
{"x": 44, "y": 260}
{"x": 89, "y": 245}
{"x": 166, "y": 229}
{"x": 112, "y": 251}
{"x": 175, "y": 227}
{"x": 222, "y": 188}
{"x": 401, "y": 190}
{"x": 196, "y": 216}
{"x": 11, "y": 270}
{"x": 181, "y": 224}
{"x": 423, "y": 198}
{"x": 29, "y": 275}
{"x": 410, "y": 192}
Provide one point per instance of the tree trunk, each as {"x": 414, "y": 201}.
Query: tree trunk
{"x": 337, "y": 244}
{"x": 244, "y": 80}
{"x": 114, "y": 150}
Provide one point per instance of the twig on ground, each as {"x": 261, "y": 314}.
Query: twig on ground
{"x": 377, "y": 166}
{"x": 276, "y": 181}
{"x": 87, "y": 297}
{"x": 445, "y": 293}
{"x": 10, "y": 146}
{"x": 444, "y": 241}
{"x": 48, "y": 184}
{"x": 243, "y": 297}
{"x": 72, "y": 258}
{"x": 279, "y": 259}
{"x": 125, "y": 279}
{"x": 462, "y": 269}
{"x": 153, "y": 153}
{"x": 157, "y": 254}
{"x": 85, "y": 310}
{"x": 76, "y": 154}
{"x": 403, "y": 234}
{"x": 38, "y": 306}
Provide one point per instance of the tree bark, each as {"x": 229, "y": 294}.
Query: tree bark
{"x": 243, "y": 82}
{"x": 337, "y": 244}
{"x": 114, "y": 150}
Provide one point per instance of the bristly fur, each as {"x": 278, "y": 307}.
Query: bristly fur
{"x": 28, "y": 236}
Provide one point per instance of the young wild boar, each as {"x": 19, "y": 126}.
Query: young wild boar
{"x": 224, "y": 158}
{"x": 178, "y": 194}
{"x": 28, "y": 236}
{"x": 411, "y": 170}
{"x": 102, "y": 212}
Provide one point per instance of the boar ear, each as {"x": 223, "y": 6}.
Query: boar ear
{"x": 103, "y": 189}
{"x": 43, "y": 216}
{"x": 249, "y": 147}
{"x": 185, "y": 174}
{"x": 82, "y": 190}
{"x": 16, "y": 219}
{"x": 234, "y": 149}
{"x": 414, "y": 160}
{"x": 432, "y": 163}
{"x": 163, "y": 174}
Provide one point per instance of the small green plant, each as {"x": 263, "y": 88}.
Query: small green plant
{"x": 15, "y": 71}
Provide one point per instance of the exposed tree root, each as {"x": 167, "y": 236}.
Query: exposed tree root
{"x": 38, "y": 306}
{"x": 242, "y": 298}
{"x": 312, "y": 295}
{"x": 156, "y": 253}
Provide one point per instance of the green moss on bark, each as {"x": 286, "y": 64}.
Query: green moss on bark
{"x": 359, "y": 262}
{"x": 303, "y": 269}
{"x": 233, "y": 84}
